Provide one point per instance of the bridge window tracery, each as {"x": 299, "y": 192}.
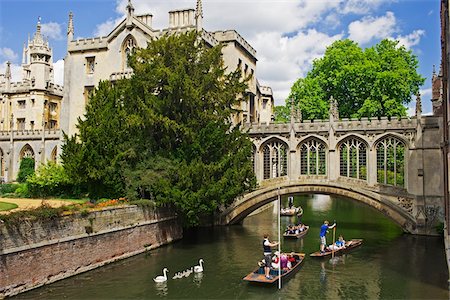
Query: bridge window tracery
{"x": 391, "y": 162}
{"x": 275, "y": 159}
{"x": 312, "y": 158}
{"x": 353, "y": 159}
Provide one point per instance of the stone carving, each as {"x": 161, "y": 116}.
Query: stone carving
{"x": 334, "y": 109}
{"x": 406, "y": 204}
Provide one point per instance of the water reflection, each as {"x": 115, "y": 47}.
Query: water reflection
{"x": 161, "y": 288}
{"x": 198, "y": 277}
{"x": 321, "y": 203}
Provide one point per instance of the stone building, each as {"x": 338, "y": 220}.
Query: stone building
{"x": 91, "y": 60}
{"x": 29, "y": 109}
{"x": 33, "y": 114}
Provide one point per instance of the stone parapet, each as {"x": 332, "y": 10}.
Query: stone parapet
{"x": 59, "y": 248}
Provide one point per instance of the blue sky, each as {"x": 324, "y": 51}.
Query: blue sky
{"x": 287, "y": 34}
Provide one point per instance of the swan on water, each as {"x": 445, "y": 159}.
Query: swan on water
{"x": 199, "y": 269}
{"x": 162, "y": 278}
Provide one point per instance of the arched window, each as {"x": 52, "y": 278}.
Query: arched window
{"x": 312, "y": 158}
{"x": 128, "y": 47}
{"x": 391, "y": 162}
{"x": 275, "y": 159}
{"x": 54, "y": 154}
{"x": 353, "y": 159}
{"x": 26, "y": 151}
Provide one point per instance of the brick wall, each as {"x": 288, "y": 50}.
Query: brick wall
{"x": 34, "y": 254}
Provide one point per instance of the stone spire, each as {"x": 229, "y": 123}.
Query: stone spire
{"x": 24, "y": 54}
{"x": 298, "y": 115}
{"x": 8, "y": 70}
{"x": 38, "y": 39}
{"x": 418, "y": 105}
{"x": 130, "y": 9}
{"x": 334, "y": 109}
{"x": 199, "y": 15}
{"x": 8, "y": 75}
{"x": 70, "y": 29}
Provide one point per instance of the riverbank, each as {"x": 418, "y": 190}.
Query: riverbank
{"x": 39, "y": 252}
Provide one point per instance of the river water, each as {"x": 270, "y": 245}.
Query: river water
{"x": 389, "y": 265}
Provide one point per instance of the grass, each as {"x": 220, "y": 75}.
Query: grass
{"x": 4, "y": 206}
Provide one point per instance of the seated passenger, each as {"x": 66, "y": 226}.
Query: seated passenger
{"x": 284, "y": 261}
{"x": 276, "y": 260}
{"x": 291, "y": 260}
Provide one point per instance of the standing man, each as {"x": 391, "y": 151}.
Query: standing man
{"x": 267, "y": 246}
{"x": 323, "y": 232}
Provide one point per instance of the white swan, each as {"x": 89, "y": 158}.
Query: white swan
{"x": 176, "y": 276}
{"x": 199, "y": 269}
{"x": 162, "y": 278}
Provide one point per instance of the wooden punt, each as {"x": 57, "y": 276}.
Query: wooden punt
{"x": 257, "y": 276}
{"x": 349, "y": 245}
{"x": 296, "y": 235}
{"x": 289, "y": 212}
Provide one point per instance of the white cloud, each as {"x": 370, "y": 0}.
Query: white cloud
{"x": 58, "y": 72}
{"x": 284, "y": 59}
{"x": 370, "y": 28}
{"x": 361, "y": 6}
{"x": 411, "y": 39}
{"x": 280, "y": 31}
{"x": 8, "y": 54}
{"x": 52, "y": 30}
{"x": 16, "y": 71}
{"x": 105, "y": 28}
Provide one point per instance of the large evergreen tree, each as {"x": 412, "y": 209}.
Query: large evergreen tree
{"x": 375, "y": 82}
{"x": 165, "y": 133}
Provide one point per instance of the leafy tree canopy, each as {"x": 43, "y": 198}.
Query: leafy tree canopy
{"x": 165, "y": 133}
{"x": 374, "y": 82}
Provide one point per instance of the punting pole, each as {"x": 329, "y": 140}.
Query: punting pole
{"x": 279, "y": 240}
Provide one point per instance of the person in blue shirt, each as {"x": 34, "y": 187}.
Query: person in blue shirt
{"x": 323, "y": 232}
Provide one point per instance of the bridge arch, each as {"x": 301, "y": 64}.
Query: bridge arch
{"x": 245, "y": 205}
{"x": 386, "y": 135}
{"x": 312, "y": 136}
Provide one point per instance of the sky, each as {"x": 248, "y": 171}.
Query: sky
{"x": 287, "y": 34}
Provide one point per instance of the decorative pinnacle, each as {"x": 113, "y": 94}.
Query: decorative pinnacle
{"x": 130, "y": 8}
{"x": 38, "y": 26}
{"x": 199, "y": 9}
{"x": 70, "y": 24}
{"x": 418, "y": 105}
{"x": 8, "y": 70}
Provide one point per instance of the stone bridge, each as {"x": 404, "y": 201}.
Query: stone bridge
{"x": 393, "y": 165}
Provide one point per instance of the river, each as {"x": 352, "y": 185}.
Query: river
{"x": 389, "y": 265}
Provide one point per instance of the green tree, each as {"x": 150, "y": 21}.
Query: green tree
{"x": 165, "y": 133}
{"x": 26, "y": 169}
{"x": 375, "y": 82}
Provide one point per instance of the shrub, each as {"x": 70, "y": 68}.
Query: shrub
{"x": 144, "y": 203}
{"x": 50, "y": 179}
{"x": 26, "y": 169}
{"x": 22, "y": 191}
{"x": 8, "y": 188}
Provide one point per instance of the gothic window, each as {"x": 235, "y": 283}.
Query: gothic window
{"x": 391, "y": 162}
{"x": 90, "y": 65}
{"x": 21, "y": 124}
{"x": 53, "y": 155}
{"x": 275, "y": 159}
{"x": 312, "y": 158}
{"x": 22, "y": 104}
{"x": 88, "y": 92}
{"x": 127, "y": 49}
{"x": 26, "y": 151}
{"x": 353, "y": 159}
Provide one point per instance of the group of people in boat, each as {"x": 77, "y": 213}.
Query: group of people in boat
{"x": 286, "y": 260}
{"x": 295, "y": 229}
